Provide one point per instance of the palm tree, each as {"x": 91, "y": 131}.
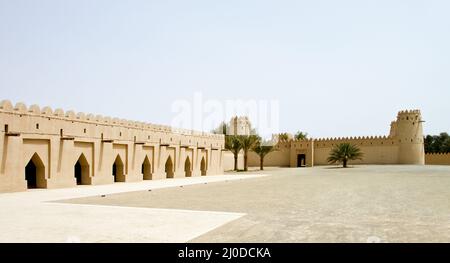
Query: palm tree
{"x": 301, "y": 136}
{"x": 233, "y": 144}
{"x": 344, "y": 152}
{"x": 283, "y": 137}
{"x": 247, "y": 143}
{"x": 262, "y": 151}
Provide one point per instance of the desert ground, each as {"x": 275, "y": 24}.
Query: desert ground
{"x": 364, "y": 203}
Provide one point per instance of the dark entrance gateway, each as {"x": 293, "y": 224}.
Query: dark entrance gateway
{"x": 301, "y": 160}
{"x": 35, "y": 173}
{"x": 118, "y": 171}
{"x": 81, "y": 171}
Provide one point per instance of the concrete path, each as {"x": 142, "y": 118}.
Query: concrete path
{"x": 36, "y": 216}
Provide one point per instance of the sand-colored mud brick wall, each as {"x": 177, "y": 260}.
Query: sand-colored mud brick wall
{"x": 45, "y": 148}
{"x": 437, "y": 158}
{"x": 403, "y": 145}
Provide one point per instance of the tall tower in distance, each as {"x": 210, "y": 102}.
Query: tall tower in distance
{"x": 239, "y": 126}
{"x": 407, "y": 129}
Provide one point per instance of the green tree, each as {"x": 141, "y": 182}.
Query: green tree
{"x": 344, "y": 152}
{"x": 283, "y": 137}
{"x": 428, "y": 144}
{"x": 221, "y": 129}
{"x": 233, "y": 144}
{"x": 262, "y": 151}
{"x": 247, "y": 143}
{"x": 445, "y": 148}
{"x": 301, "y": 135}
{"x": 437, "y": 143}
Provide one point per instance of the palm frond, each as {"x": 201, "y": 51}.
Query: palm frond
{"x": 343, "y": 152}
{"x": 233, "y": 144}
{"x": 262, "y": 150}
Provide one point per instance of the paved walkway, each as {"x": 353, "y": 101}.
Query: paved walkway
{"x": 39, "y": 216}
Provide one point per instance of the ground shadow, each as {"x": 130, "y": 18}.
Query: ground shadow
{"x": 339, "y": 167}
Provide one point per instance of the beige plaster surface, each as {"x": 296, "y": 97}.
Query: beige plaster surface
{"x": 38, "y": 215}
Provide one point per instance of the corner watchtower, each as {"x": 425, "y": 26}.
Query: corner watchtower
{"x": 408, "y": 131}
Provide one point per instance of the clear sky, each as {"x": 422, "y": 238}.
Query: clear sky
{"x": 337, "y": 68}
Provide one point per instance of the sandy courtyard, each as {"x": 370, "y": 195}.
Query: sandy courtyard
{"x": 320, "y": 204}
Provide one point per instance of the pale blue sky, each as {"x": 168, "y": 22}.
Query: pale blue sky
{"x": 320, "y": 59}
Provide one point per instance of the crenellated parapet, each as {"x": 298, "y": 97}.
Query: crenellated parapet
{"x": 416, "y": 111}
{"x": 47, "y": 112}
{"x": 337, "y": 139}
{"x": 302, "y": 140}
{"x": 357, "y": 140}
{"x": 438, "y": 155}
{"x": 412, "y": 116}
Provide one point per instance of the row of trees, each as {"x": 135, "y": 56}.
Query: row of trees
{"x": 437, "y": 143}
{"x": 247, "y": 143}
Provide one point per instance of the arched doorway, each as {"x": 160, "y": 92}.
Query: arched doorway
{"x": 203, "y": 166}
{"x": 117, "y": 170}
{"x": 169, "y": 168}
{"x": 81, "y": 171}
{"x": 187, "y": 167}
{"x": 35, "y": 173}
{"x": 146, "y": 169}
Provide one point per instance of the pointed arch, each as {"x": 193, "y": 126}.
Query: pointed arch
{"x": 146, "y": 169}
{"x": 203, "y": 166}
{"x": 169, "y": 168}
{"x": 118, "y": 170}
{"x": 35, "y": 173}
{"x": 188, "y": 167}
{"x": 82, "y": 171}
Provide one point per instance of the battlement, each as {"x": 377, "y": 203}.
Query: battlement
{"x": 303, "y": 140}
{"x": 439, "y": 154}
{"x": 353, "y": 138}
{"x": 409, "y": 112}
{"x": 409, "y": 115}
{"x": 47, "y": 112}
{"x": 242, "y": 118}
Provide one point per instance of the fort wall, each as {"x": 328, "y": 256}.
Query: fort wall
{"x": 376, "y": 150}
{"x": 437, "y": 158}
{"x": 228, "y": 161}
{"x": 107, "y": 149}
{"x": 279, "y": 157}
{"x": 403, "y": 145}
